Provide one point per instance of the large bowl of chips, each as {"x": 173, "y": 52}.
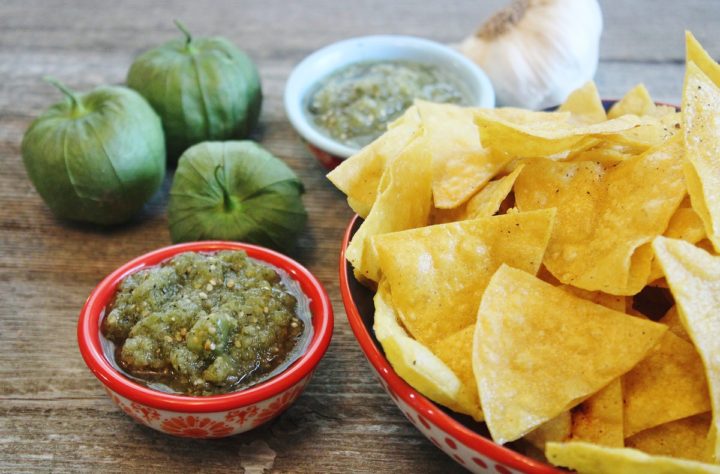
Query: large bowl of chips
{"x": 538, "y": 288}
{"x": 460, "y": 437}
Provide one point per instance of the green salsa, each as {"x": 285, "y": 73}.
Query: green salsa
{"x": 203, "y": 324}
{"x": 355, "y": 104}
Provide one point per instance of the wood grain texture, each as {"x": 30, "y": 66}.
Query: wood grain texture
{"x": 54, "y": 415}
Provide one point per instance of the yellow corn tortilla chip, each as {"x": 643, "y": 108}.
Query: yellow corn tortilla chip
{"x": 359, "y": 176}
{"x": 617, "y": 303}
{"x": 455, "y": 351}
{"x": 701, "y": 106}
{"x": 672, "y": 321}
{"x": 544, "y": 138}
{"x": 686, "y": 438}
{"x": 403, "y": 203}
{"x": 605, "y": 153}
{"x": 636, "y": 102}
{"x": 416, "y": 364}
{"x": 461, "y": 165}
{"x": 585, "y": 105}
{"x": 534, "y": 343}
{"x": 606, "y": 217}
{"x": 588, "y": 458}
{"x": 668, "y": 385}
{"x": 685, "y": 224}
{"x": 483, "y": 204}
{"x": 438, "y": 273}
{"x": 695, "y": 53}
{"x": 556, "y": 429}
{"x": 599, "y": 419}
{"x": 694, "y": 279}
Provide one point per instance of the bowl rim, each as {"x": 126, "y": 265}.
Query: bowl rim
{"x": 295, "y": 88}
{"x": 88, "y": 333}
{"x": 428, "y": 409}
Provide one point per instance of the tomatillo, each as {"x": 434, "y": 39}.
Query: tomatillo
{"x": 96, "y": 157}
{"x": 202, "y": 88}
{"x": 235, "y": 190}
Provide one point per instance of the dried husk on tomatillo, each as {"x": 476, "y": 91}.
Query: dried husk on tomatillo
{"x": 202, "y": 88}
{"x": 235, "y": 190}
{"x": 96, "y": 157}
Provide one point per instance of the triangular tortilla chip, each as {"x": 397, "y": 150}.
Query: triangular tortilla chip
{"x": 557, "y": 429}
{"x": 359, "y": 176}
{"x": 605, "y": 216}
{"x": 483, "y": 204}
{"x": 461, "y": 165}
{"x": 668, "y": 385}
{"x": 543, "y": 137}
{"x": 672, "y": 320}
{"x": 686, "y": 438}
{"x": 438, "y": 273}
{"x": 534, "y": 344}
{"x": 587, "y": 458}
{"x": 695, "y": 53}
{"x": 599, "y": 419}
{"x": 585, "y": 105}
{"x": 701, "y": 106}
{"x": 637, "y": 101}
{"x": 694, "y": 279}
{"x": 686, "y": 225}
{"x": 416, "y": 364}
{"x": 456, "y": 351}
{"x": 403, "y": 202}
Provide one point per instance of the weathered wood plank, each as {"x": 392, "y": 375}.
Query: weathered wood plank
{"x": 54, "y": 415}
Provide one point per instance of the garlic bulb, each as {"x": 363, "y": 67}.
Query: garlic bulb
{"x": 538, "y": 51}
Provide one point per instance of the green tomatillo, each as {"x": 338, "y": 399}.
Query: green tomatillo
{"x": 96, "y": 157}
{"x": 235, "y": 190}
{"x": 202, "y": 88}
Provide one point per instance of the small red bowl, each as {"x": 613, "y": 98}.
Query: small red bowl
{"x": 459, "y": 436}
{"x": 217, "y": 415}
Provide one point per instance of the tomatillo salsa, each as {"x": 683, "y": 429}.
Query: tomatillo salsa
{"x": 204, "y": 324}
{"x": 355, "y": 104}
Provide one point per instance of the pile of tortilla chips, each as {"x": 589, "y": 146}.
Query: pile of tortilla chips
{"x": 555, "y": 274}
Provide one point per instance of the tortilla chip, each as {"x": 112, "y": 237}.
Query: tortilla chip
{"x": 668, "y": 385}
{"x": 694, "y": 279}
{"x": 686, "y": 225}
{"x": 686, "y": 438}
{"x": 455, "y": 350}
{"x": 599, "y": 419}
{"x": 483, "y": 204}
{"x": 438, "y": 273}
{"x": 606, "y": 217}
{"x": 557, "y": 429}
{"x": 672, "y": 321}
{"x": 416, "y": 364}
{"x": 544, "y": 137}
{"x": 403, "y": 203}
{"x": 613, "y": 302}
{"x": 585, "y": 105}
{"x": 359, "y": 176}
{"x": 461, "y": 165}
{"x": 587, "y": 458}
{"x": 533, "y": 344}
{"x": 637, "y": 101}
{"x": 695, "y": 53}
{"x": 701, "y": 106}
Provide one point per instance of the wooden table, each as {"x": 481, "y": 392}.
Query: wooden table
{"x": 54, "y": 415}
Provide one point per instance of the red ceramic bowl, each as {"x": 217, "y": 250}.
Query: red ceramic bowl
{"x": 459, "y": 436}
{"x": 211, "y": 416}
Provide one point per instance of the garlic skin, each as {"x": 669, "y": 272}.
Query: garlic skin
{"x": 536, "y": 52}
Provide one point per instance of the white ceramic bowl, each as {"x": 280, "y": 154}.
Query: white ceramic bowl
{"x": 323, "y": 62}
